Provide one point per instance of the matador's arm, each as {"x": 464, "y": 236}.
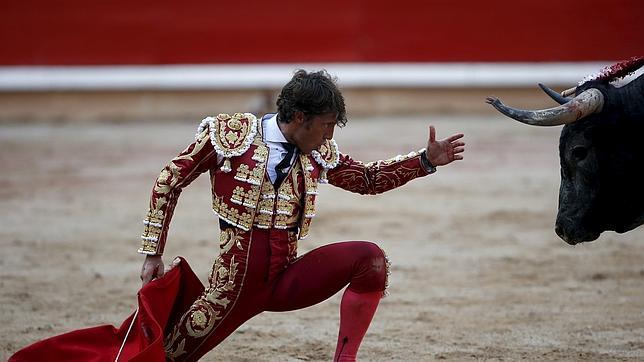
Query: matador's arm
{"x": 379, "y": 176}
{"x": 197, "y": 158}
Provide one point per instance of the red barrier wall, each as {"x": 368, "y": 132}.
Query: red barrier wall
{"x": 96, "y": 32}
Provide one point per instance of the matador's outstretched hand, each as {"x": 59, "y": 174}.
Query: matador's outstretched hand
{"x": 445, "y": 151}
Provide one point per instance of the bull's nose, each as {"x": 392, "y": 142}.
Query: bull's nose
{"x": 559, "y": 231}
{"x": 562, "y": 234}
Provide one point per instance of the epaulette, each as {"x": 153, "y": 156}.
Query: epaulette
{"x": 327, "y": 156}
{"x": 230, "y": 135}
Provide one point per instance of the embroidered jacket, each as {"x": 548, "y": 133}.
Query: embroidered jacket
{"x": 244, "y": 197}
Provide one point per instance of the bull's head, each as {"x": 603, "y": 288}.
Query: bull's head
{"x": 601, "y": 153}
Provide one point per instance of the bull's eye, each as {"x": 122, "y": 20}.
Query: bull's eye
{"x": 579, "y": 153}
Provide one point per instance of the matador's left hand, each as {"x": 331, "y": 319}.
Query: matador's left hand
{"x": 445, "y": 151}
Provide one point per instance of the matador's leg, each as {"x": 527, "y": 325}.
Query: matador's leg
{"x": 238, "y": 290}
{"x": 322, "y": 272}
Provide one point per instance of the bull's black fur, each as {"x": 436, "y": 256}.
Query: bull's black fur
{"x": 602, "y": 156}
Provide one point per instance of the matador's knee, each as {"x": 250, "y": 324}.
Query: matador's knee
{"x": 371, "y": 268}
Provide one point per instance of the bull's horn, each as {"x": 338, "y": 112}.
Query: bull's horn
{"x": 554, "y": 95}
{"x": 586, "y": 103}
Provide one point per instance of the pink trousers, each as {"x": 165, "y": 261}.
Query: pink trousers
{"x": 254, "y": 274}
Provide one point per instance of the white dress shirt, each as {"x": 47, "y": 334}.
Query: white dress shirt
{"x": 273, "y": 137}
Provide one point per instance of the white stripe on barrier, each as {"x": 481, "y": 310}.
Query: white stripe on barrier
{"x": 274, "y": 76}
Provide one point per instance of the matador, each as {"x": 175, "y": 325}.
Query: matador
{"x": 265, "y": 174}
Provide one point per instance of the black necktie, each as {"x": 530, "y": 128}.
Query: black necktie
{"x": 283, "y": 166}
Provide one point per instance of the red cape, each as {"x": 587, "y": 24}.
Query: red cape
{"x": 161, "y": 303}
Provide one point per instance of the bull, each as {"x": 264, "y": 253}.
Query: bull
{"x": 601, "y": 152}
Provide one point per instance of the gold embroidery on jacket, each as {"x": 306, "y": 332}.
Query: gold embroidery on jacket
{"x": 232, "y": 132}
{"x": 281, "y": 222}
{"x": 306, "y": 163}
{"x": 304, "y": 228}
{"x": 279, "y": 209}
{"x": 242, "y": 173}
{"x": 263, "y": 221}
{"x": 253, "y": 177}
{"x": 308, "y": 212}
{"x": 284, "y": 207}
{"x": 231, "y": 215}
{"x": 245, "y": 198}
{"x": 285, "y": 192}
{"x": 309, "y": 208}
{"x": 268, "y": 191}
{"x": 230, "y": 136}
{"x": 327, "y": 155}
{"x": 260, "y": 154}
{"x": 246, "y": 194}
{"x": 256, "y": 174}
{"x": 310, "y": 185}
{"x": 265, "y": 207}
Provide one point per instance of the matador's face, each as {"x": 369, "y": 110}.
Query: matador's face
{"x": 311, "y": 133}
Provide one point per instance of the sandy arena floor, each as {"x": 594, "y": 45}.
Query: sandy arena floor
{"x": 478, "y": 273}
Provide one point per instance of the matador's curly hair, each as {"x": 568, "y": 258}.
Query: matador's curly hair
{"x": 313, "y": 94}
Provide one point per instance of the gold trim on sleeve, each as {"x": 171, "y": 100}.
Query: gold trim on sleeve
{"x": 151, "y": 232}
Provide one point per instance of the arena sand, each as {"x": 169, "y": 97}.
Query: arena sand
{"x": 477, "y": 271}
